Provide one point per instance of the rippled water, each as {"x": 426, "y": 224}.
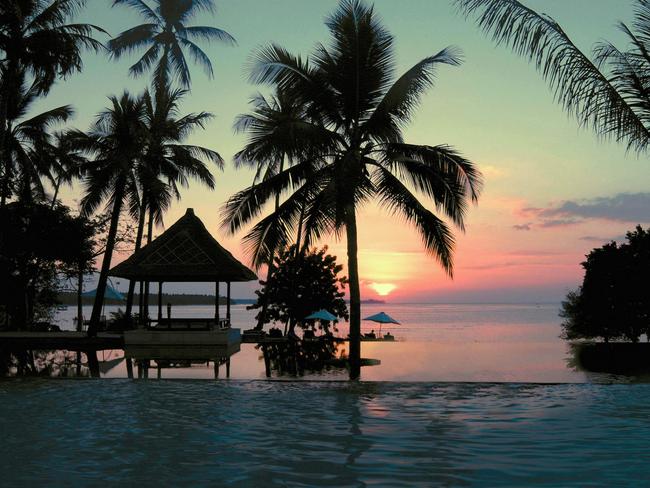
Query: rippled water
{"x": 257, "y": 433}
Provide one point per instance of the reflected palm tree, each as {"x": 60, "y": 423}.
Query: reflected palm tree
{"x": 350, "y": 86}
{"x": 167, "y": 38}
{"x": 609, "y": 91}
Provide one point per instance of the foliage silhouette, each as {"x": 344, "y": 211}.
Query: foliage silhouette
{"x": 607, "y": 92}
{"x": 612, "y": 302}
{"x": 166, "y": 38}
{"x": 302, "y": 284}
{"x": 355, "y": 109}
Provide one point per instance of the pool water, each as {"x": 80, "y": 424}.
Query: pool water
{"x": 261, "y": 433}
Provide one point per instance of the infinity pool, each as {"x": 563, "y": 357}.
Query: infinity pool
{"x": 260, "y": 433}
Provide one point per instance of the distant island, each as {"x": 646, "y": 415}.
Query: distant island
{"x": 70, "y": 298}
{"x": 250, "y": 301}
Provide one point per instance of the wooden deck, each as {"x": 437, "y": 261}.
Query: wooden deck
{"x": 67, "y": 341}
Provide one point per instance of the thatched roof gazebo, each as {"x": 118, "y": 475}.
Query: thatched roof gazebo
{"x": 185, "y": 252}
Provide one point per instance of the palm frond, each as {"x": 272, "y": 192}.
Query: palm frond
{"x": 399, "y": 101}
{"x": 436, "y": 236}
{"x": 141, "y": 7}
{"x": 579, "y": 86}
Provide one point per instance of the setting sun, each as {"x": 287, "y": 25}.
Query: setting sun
{"x": 383, "y": 289}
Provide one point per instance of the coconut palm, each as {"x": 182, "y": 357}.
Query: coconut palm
{"x": 115, "y": 142}
{"x": 67, "y": 162}
{"x": 276, "y": 137}
{"x": 350, "y": 86}
{"x": 608, "y": 91}
{"x": 37, "y": 41}
{"x": 168, "y": 163}
{"x": 166, "y": 38}
{"x": 27, "y": 145}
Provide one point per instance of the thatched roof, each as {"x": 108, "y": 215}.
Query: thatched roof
{"x": 185, "y": 252}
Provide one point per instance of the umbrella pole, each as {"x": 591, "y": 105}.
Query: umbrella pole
{"x": 379, "y": 330}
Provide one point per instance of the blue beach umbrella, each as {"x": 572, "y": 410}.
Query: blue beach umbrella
{"x": 321, "y": 315}
{"x": 382, "y": 318}
{"x": 110, "y": 293}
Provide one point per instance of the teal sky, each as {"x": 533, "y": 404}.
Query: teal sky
{"x": 494, "y": 108}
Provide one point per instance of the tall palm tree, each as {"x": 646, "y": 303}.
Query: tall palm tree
{"x": 37, "y": 41}
{"x": 608, "y": 92}
{"x": 166, "y": 38}
{"x": 27, "y": 146}
{"x": 115, "y": 142}
{"x": 168, "y": 162}
{"x": 350, "y": 86}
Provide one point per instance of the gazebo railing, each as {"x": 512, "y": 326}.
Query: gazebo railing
{"x": 180, "y": 323}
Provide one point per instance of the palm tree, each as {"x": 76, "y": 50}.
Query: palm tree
{"x": 115, "y": 143}
{"x": 350, "y": 86}
{"x": 166, "y": 38}
{"x": 275, "y": 138}
{"x": 27, "y": 145}
{"x": 67, "y": 162}
{"x": 168, "y": 162}
{"x": 609, "y": 91}
{"x": 36, "y": 40}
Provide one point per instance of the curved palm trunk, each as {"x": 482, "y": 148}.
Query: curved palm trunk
{"x": 6, "y": 163}
{"x": 9, "y": 89}
{"x": 106, "y": 262}
{"x": 56, "y": 192}
{"x": 269, "y": 274}
{"x": 355, "y": 293}
{"x": 301, "y": 223}
{"x": 138, "y": 244}
{"x": 145, "y": 302}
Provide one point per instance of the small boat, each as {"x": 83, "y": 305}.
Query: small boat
{"x": 61, "y": 307}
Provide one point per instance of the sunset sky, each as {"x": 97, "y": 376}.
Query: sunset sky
{"x": 552, "y": 193}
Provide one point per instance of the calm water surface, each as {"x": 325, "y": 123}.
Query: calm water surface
{"x": 501, "y": 343}
{"x": 259, "y": 433}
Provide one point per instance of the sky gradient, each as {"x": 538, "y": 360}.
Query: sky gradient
{"x": 552, "y": 191}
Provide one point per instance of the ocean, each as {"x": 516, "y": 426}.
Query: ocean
{"x": 468, "y": 342}
{"x": 469, "y": 395}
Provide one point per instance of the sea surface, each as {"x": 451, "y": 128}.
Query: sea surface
{"x": 473, "y": 342}
{"x": 469, "y": 395}
{"x": 339, "y": 434}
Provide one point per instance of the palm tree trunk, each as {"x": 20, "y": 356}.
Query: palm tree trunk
{"x": 355, "y": 293}
{"x": 106, "y": 262}
{"x": 5, "y": 160}
{"x": 138, "y": 244}
{"x": 269, "y": 274}
{"x": 56, "y": 192}
{"x": 300, "y": 225}
{"x": 146, "y": 283}
{"x": 80, "y": 286}
{"x": 4, "y": 129}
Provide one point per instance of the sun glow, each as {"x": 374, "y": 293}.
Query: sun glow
{"x": 383, "y": 289}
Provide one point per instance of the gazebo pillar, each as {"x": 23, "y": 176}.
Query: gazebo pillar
{"x": 160, "y": 301}
{"x": 216, "y": 302}
{"x": 228, "y": 302}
